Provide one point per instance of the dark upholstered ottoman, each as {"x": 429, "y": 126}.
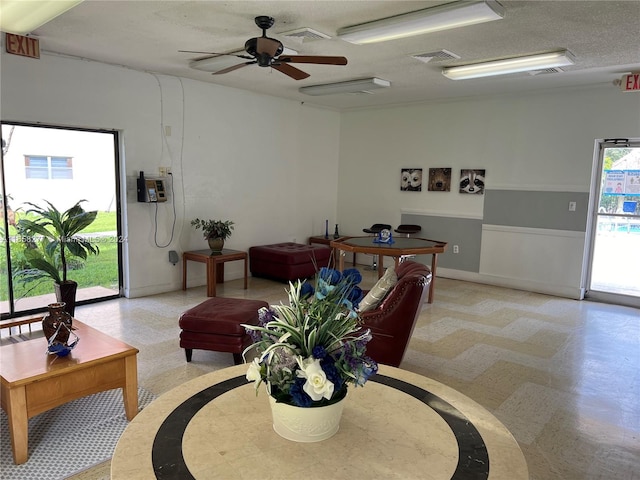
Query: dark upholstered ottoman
{"x": 288, "y": 261}
{"x": 215, "y": 325}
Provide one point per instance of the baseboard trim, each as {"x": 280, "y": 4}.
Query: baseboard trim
{"x": 565, "y": 291}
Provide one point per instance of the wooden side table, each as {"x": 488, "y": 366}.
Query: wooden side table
{"x": 321, "y": 240}
{"x": 215, "y": 266}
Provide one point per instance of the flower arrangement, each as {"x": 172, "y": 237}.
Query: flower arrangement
{"x": 311, "y": 349}
{"x": 214, "y": 228}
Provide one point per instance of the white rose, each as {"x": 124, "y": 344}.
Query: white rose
{"x": 253, "y": 373}
{"x": 317, "y": 385}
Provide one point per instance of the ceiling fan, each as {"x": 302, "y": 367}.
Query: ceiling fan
{"x": 267, "y": 52}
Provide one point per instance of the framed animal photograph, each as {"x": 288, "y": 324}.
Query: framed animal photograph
{"x": 472, "y": 181}
{"x": 439, "y": 180}
{"x": 411, "y": 180}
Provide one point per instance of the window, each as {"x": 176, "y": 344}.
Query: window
{"x": 48, "y": 168}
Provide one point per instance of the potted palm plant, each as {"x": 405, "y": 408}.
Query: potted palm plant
{"x": 215, "y": 231}
{"x": 58, "y": 241}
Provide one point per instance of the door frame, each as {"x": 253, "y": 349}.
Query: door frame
{"x": 118, "y": 206}
{"x": 595, "y": 192}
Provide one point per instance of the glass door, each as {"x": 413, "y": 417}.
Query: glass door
{"x": 46, "y": 167}
{"x": 614, "y": 274}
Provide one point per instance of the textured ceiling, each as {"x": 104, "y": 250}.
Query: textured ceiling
{"x": 146, "y": 35}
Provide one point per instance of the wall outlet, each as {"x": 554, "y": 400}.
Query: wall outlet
{"x": 168, "y": 170}
{"x": 163, "y": 171}
{"x": 456, "y": 249}
{"x": 572, "y": 206}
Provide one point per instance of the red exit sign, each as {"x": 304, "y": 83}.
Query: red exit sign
{"x": 20, "y": 45}
{"x": 630, "y": 82}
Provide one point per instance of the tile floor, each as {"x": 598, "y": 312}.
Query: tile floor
{"x": 562, "y": 375}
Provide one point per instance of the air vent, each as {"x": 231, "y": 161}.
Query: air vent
{"x": 546, "y": 70}
{"x": 439, "y": 56}
{"x": 306, "y": 34}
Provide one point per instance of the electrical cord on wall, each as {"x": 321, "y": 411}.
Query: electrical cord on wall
{"x": 165, "y": 144}
{"x": 173, "y": 226}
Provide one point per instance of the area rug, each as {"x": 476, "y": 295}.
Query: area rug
{"x": 69, "y": 438}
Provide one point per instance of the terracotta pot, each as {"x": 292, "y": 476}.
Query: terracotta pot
{"x": 216, "y": 244}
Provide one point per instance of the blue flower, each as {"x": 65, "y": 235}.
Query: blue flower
{"x": 330, "y": 275}
{"x": 319, "y": 352}
{"x": 355, "y": 296}
{"x": 353, "y": 275}
{"x": 306, "y": 290}
{"x": 300, "y": 398}
{"x": 332, "y": 373}
{"x": 324, "y": 289}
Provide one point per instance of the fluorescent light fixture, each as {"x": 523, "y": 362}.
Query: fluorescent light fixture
{"x": 22, "y": 17}
{"x": 443, "y": 17}
{"x": 215, "y": 64}
{"x": 510, "y": 65}
{"x": 364, "y": 85}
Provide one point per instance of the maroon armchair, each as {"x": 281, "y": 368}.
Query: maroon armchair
{"x": 393, "y": 321}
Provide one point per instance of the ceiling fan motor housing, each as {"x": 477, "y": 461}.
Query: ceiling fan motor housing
{"x": 264, "y": 58}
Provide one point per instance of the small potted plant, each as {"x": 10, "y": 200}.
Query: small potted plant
{"x": 58, "y": 239}
{"x": 215, "y": 231}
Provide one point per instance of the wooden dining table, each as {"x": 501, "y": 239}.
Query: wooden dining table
{"x": 399, "y": 249}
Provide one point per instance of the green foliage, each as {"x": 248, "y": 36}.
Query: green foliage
{"x": 214, "y": 228}
{"x": 97, "y": 270}
{"x": 57, "y": 234}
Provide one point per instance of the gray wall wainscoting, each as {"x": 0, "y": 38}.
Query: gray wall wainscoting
{"x": 549, "y": 210}
{"x": 464, "y": 232}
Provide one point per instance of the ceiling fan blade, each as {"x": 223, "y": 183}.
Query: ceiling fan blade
{"x": 233, "y": 67}
{"x": 216, "y": 53}
{"x": 267, "y": 45}
{"x": 319, "y": 59}
{"x": 293, "y": 72}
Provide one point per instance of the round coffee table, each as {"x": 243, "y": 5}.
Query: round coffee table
{"x": 399, "y": 425}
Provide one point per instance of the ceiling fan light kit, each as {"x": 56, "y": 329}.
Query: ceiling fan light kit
{"x": 222, "y": 61}
{"x": 364, "y": 85}
{"x": 443, "y": 17}
{"x": 505, "y": 66}
{"x": 20, "y": 17}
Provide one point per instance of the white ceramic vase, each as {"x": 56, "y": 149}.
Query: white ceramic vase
{"x": 307, "y": 425}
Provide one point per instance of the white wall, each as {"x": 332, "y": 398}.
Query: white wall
{"x": 540, "y": 141}
{"x": 279, "y": 169}
{"x": 268, "y": 164}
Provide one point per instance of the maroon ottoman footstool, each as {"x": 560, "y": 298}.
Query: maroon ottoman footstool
{"x": 215, "y": 324}
{"x": 288, "y": 261}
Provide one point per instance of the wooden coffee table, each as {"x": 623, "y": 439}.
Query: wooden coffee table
{"x": 33, "y": 382}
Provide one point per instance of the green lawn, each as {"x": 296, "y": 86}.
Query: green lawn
{"x": 98, "y": 270}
